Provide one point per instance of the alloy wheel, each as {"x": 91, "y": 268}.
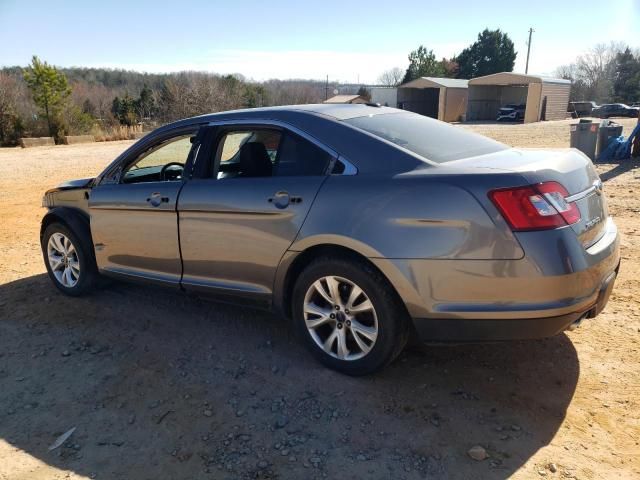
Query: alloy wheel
{"x": 63, "y": 260}
{"x": 340, "y": 318}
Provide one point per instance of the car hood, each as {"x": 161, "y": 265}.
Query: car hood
{"x": 72, "y": 185}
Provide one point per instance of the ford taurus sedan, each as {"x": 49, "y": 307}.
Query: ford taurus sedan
{"x": 361, "y": 224}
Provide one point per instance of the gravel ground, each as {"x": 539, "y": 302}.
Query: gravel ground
{"x": 158, "y": 385}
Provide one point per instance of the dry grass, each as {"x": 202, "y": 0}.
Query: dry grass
{"x": 119, "y": 132}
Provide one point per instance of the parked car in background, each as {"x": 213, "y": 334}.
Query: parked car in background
{"x": 615, "y": 110}
{"x": 581, "y": 109}
{"x": 512, "y": 112}
{"x": 635, "y": 104}
{"x": 361, "y": 224}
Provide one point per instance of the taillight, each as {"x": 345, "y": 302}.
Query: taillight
{"x": 535, "y": 207}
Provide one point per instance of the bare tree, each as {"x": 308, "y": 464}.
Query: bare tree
{"x": 596, "y": 68}
{"x": 294, "y": 92}
{"x": 392, "y": 77}
{"x": 593, "y": 73}
{"x": 567, "y": 72}
{"x": 16, "y": 108}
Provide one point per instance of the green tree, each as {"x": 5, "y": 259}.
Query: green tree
{"x": 124, "y": 109}
{"x": 493, "y": 52}
{"x": 255, "y": 96}
{"x": 145, "y": 104}
{"x": 423, "y": 63}
{"x": 626, "y": 82}
{"x": 50, "y": 91}
{"x": 88, "y": 107}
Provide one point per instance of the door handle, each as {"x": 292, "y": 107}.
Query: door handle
{"x": 282, "y": 199}
{"x": 156, "y": 199}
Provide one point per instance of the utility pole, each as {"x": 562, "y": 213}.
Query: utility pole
{"x": 326, "y": 89}
{"x": 526, "y": 69}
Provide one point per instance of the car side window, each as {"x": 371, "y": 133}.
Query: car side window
{"x": 164, "y": 162}
{"x": 268, "y": 153}
{"x": 247, "y": 153}
{"x": 300, "y": 157}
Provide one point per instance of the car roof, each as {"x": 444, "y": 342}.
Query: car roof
{"x": 337, "y": 111}
{"x": 324, "y": 123}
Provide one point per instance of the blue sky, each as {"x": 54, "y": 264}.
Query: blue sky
{"x": 351, "y": 41}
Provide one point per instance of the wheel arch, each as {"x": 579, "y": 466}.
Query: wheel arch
{"x": 74, "y": 219}
{"x": 294, "y": 263}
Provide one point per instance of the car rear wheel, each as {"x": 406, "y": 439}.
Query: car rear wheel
{"x": 349, "y": 316}
{"x": 69, "y": 261}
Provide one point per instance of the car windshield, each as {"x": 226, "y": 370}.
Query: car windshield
{"x": 432, "y": 140}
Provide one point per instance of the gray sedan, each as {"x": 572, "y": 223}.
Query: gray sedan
{"x": 363, "y": 225}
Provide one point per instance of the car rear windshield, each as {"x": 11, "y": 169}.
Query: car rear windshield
{"x": 432, "y": 140}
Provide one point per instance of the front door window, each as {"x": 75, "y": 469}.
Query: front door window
{"x": 163, "y": 163}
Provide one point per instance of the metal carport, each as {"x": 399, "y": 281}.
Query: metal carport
{"x": 546, "y": 98}
{"x": 441, "y": 98}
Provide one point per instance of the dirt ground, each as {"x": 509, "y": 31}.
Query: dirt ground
{"x": 161, "y": 386}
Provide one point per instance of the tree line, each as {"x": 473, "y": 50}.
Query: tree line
{"x": 43, "y": 100}
{"x": 604, "y": 74}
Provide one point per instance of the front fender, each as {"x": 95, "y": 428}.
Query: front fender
{"x": 74, "y": 218}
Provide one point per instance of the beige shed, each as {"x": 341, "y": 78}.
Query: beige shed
{"x": 545, "y": 98}
{"x": 441, "y": 98}
{"x": 346, "y": 99}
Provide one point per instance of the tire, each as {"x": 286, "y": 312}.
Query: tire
{"x": 367, "y": 353}
{"x": 82, "y": 278}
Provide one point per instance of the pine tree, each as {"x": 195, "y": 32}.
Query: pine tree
{"x": 49, "y": 88}
{"x": 145, "y": 105}
{"x": 493, "y": 52}
{"x": 423, "y": 63}
{"x": 626, "y": 83}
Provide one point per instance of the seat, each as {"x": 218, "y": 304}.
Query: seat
{"x": 255, "y": 161}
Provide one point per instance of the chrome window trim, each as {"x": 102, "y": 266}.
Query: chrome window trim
{"x": 349, "y": 167}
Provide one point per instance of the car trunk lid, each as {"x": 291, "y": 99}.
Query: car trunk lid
{"x": 568, "y": 167}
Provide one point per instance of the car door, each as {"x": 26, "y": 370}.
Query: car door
{"x": 133, "y": 210}
{"x": 237, "y": 222}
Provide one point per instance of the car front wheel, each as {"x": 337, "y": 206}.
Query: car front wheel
{"x": 349, "y": 316}
{"x": 68, "y": 259}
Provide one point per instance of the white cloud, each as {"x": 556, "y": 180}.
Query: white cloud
{"x": 364, "y": 67}
{"x": 261, "y": 65}
{"x": 342, "y": 66}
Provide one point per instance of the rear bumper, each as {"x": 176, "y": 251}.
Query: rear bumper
{"x": 436, "y": 330}
{"x": 483, "y": 330}
{"x": 556, "y": 283}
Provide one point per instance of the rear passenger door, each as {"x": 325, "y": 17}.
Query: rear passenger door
{"x": 239, "y": 218}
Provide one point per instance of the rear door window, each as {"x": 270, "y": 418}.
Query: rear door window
{"x": 299, "y": 157}
{"x": 288, "y": 154}
{"x": 267, "y": 142}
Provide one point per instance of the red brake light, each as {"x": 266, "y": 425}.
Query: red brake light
{"x": 535, "y": 207}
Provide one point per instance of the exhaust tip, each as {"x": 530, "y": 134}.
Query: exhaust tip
{"x": 577, "y": 323}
